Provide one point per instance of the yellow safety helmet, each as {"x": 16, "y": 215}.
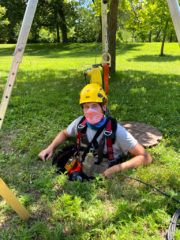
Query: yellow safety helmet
{"x": 93, "y": 92}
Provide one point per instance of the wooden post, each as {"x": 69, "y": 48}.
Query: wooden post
{"x": 13, "y": 201}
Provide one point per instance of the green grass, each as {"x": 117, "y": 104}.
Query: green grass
{"x": 145, "y": 88}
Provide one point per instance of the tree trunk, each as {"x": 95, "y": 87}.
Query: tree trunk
{"x": 133, "y": 35}
{"x": 63, "y": 25}
{"x": 57, "y": 32}
{"x": 11, "y": 35}
{"x": 112, "y": 27}
{"x": 150, "y": 35}
{"x": 99, "y": 37}
{"x": 157, "y": 36}
{"x": 171, "y": 37}
{"x": 164, "y": 38}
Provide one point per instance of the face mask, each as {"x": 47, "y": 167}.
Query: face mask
{"x": 93, "y": 116}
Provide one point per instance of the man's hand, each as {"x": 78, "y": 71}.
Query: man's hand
{"x": 45, "y": 154}
{"x": 111, "y": 170}
{"x": 141, "y": 157}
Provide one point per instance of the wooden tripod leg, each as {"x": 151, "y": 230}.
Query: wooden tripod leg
{"x": 13, "y": 201}
{"x": 18, "y": 55}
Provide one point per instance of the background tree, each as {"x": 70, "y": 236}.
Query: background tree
{"x": 148, "y": 20}
{"x": 52, "y": 16}
{"x": 160, "y": 20}
{"x": 80, "y": 21}
{"x": 55, "y": 16}
{"x": 3, "y": 23}
{"x": 112, "y": 28}
{"x": 14, "y": 13}
{"x": 86, "y": 27}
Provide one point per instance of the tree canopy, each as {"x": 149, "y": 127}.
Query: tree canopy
{"x": 80, "y": 21}
{"x": 3, "y": 23}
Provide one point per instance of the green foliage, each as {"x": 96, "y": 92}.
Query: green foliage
{"x": 145, "y": 20}
{"x": 79, "y": 21}
{"x": 46, "y": 36}
{"x": 14, "y": 14}
{"x": 45, "y": 100}
{"x": 3, "y": 23}
{"x": 87, "y": 26}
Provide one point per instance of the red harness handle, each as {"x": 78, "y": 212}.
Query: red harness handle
{"x": 77, "y": 167}
{"x": 109, "y": 141}
{"x": 106, "y": 77}
{"x": 80, "y": 133}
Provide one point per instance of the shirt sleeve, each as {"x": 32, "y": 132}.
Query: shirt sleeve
{"x": 72, "y": 128}
{"x": 124, "y": 139}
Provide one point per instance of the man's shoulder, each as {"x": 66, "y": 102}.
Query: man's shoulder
{"x": 72, "y": 128}
{"x": 120, "y": 128}
{"x": 77, "y": 120}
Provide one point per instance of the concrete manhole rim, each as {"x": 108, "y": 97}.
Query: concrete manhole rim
{"x": 146, "y": 134}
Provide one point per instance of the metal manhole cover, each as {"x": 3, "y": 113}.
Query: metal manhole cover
{"x": 147, "y": 135}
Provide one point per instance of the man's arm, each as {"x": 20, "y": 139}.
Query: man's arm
{"x": 47, "y": 153}
{"x": 141, "y": 157}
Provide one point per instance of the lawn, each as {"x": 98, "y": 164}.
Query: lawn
{"x": 145, "y": 88}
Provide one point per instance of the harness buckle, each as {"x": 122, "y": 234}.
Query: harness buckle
{"x": 107, "y": 133}
{"x": 81, "y": 126}
{"x": 91, "y": 152}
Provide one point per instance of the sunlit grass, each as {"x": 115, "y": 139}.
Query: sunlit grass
{"x": 145, "y": 88}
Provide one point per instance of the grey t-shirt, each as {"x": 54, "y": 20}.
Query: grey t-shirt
{"x": 123, "y": 143}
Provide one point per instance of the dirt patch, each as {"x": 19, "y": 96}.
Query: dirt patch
{"x": 5, "y": 141}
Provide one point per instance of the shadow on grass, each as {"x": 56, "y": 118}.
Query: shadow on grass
{"x": 128, "y": 207}
{"x": 44, "y": 102}
{"x": 122, "y": 48}
{"x": 7, "y": 51}
{"x": 54, "y": 50}
{"x": 155, "y": 58}
{"x": 123, "y": 210}
{"x": 145, "y": 97}
{"x": 73, "y": 50}
{"x": 133, "y": 96}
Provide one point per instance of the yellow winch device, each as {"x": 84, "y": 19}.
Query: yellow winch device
{"x": 95, "y": 75}
{"x": 13, "y": 201}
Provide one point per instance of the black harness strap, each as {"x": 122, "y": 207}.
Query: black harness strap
{"x": 94, "y": 139}
{"x": 100, "y": 150}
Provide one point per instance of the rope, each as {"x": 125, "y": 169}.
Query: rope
{"x": 97, "y": 33}
{"x": 172, "y": 227}
{"x": 149, "y": 185}
{"x": 174, "y": 221}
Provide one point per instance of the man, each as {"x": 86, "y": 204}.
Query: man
{"x": 100, "y": 139}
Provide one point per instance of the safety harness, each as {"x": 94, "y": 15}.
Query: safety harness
{"x": 109, "y": 133}
{"x": 73, "y": 159}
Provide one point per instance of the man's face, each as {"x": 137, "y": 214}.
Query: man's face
{"x": 95, "y": 106}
